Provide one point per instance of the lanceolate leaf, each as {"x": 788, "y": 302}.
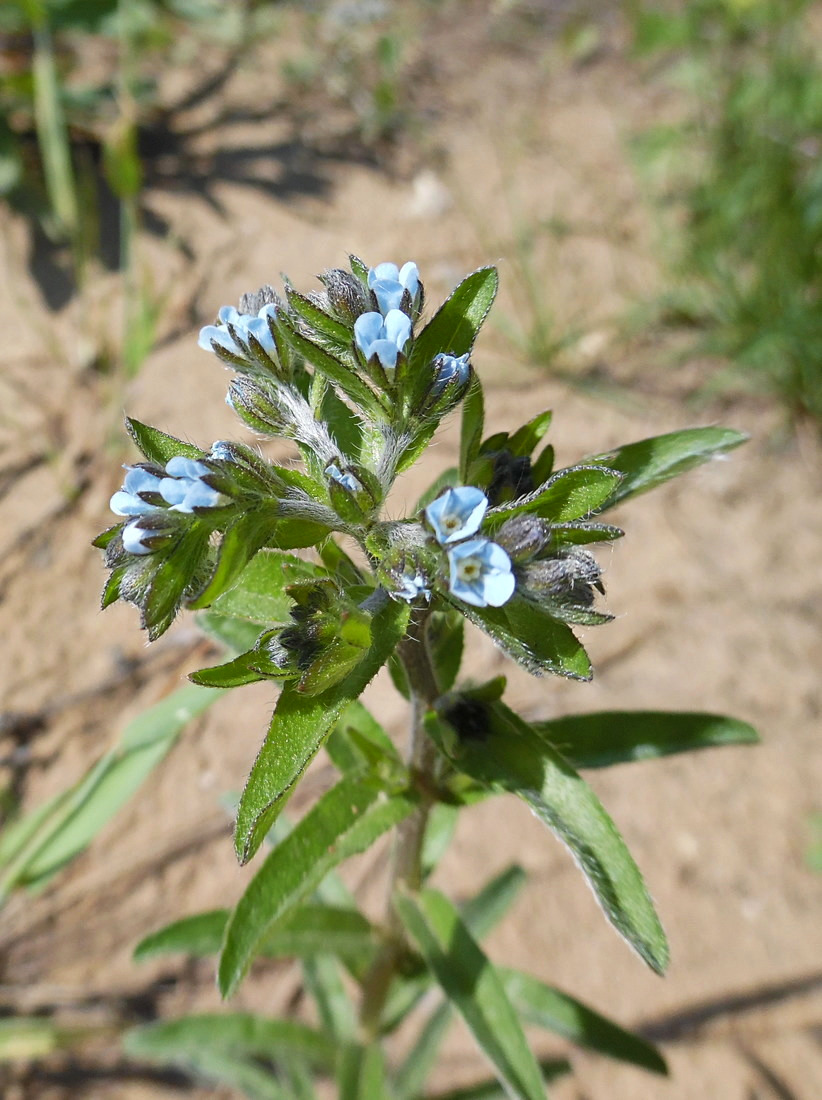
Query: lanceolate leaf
{"x": 157, "y": 446}
{"x": 510, "y": 756}
{"x": 472, "y": 985}
{"x": 529, "y": 635}
{"x": 570, "y": 494}
{"x": 473, "y": 418}
{"x": 299, "y": 727}
{"x": 250, "y": 1039}
{"x": 649, "y": 462}
{"x": 308, "y": 930}
{"x": 617, "y": 737}
{"x": 454, "y": 327}
{"x": 540, "y": 1004}
{"x": 346, "y": 820}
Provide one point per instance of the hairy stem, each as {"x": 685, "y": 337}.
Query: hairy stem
{"x": 406, "y": 872}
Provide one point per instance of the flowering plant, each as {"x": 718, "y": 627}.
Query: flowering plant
{"x": 359, "y": 383}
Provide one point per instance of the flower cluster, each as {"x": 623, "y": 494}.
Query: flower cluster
{"x": 479, "y": 570}
{"x": 234, "y": 330}
{"x": 147, "y": 496}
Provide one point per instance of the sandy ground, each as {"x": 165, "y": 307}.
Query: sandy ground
{"x": 716, "y": 589}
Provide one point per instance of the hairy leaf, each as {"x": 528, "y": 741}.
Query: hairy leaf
{"x": 346, "y": 820}
{"x": 472, "y": 985}
{"x": 541, "y": 1004}
{"x": 510, "y": 756}
{"x": 617, "y": 737}
{"x": 299, "y": 727}
{"x": 649, "y": 462}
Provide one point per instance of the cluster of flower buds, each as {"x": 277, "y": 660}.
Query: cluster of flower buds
{"x": 149, "y": 493}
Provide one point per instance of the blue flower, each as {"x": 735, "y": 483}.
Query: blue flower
{"x": 244, "y": 324}
{"x": 139, "y": 539}
{"x": 384, "y": 337}
{"x": 448, "y": 367}
{"x": 129, "y": 500}
{"x": 481, "y": 573}
{"x": 348, "y": 481}
{"x": 389, "y": 283}
{"x": 185, "y": 489}
{"x": 411, "y": 587}
{"x": 457, "y": 513}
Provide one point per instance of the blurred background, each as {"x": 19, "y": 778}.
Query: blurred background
{"x": 648, "y": 176}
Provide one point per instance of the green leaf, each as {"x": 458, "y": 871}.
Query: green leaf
{"x": 157, "y": 446}
{"x": 439, "y": 831}
{"x": 197, "y": 936}
{"x": 418, "y": 1064}
{"x": 510, "y": 756}
{"x": 236, "y": 634}
{"x": 245, "y": 1075}
{"x": 617, "y": 737}
{"x": 487, "y": 908}
{"x": 299, "y": 727}
{"x": 454, "y": 327}
{"x": 323, "y": 981}
{"x": 530, "y": 636}
{"x": 581, "y": 533}
{"x": 323, "y": 323}
{"x": 525, "y": 439}
{"x": 570, "y": 494}
{"x": 540, "y": 1004}
{"x": 472, "y": 985}
{"x": 446, "y": 638}
{"x": 309, "y": 930}
{"x": 473, "y": 418}
{"x": 232, "y": 674}
{"x": 77, "y": 818}
{"x": 239, "y": 544}
{"x": 649, "y": 462}
{"x": 359, "y": 743}
{"x": 331, "y": 367}
{"x": 260, "y": 592}
{"x": 346, "y": 820}
{"x": 170, "y": 582}
{"x": 550, "y": 1068}
{"x": 362, "y": 1073}
{"x": 241, "y": 1034}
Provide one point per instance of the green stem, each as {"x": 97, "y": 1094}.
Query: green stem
{"x": 407, "y": 867}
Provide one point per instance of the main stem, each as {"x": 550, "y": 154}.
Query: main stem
{"x": 406, "y": 872}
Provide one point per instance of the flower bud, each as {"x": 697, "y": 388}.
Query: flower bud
{"x": 347, "y": 297}
{"x": 570, "y": 577}
{"x": 256, "y": 405}
{"x": 524, "y": 537}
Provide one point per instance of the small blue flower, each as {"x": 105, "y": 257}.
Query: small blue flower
{"x": 447, "y": 367}
{"x": 411, "y": 587}
{"x": 185, "y": 489}
{"x": 348, "y": 481}
{"x": 133, "y": 535}
{"x": 389, "y": 283}
{"x": 245, "y": 325}
{"x": 128, "y": 501}
{"x": 481, "y": 573}
{"x": 384, "y": 337}
{"x": 457, "y": 513}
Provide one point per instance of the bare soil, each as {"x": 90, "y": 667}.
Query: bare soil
{"x": 717, "y": 586}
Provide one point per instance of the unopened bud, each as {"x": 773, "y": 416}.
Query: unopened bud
{"x": 524, "y": 537}
{"x": 347, "y": 296}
